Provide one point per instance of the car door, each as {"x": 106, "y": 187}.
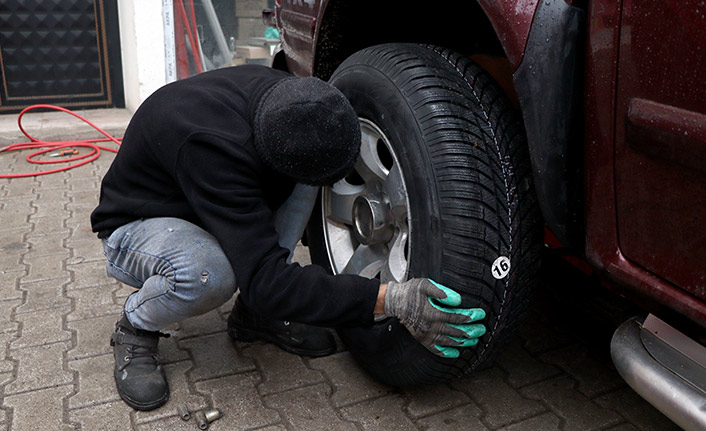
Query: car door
{"x": 660, "y": 147}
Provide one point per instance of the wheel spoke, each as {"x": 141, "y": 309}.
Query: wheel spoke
{"x": 395, "y": 268}
{"x": 369, "y": 165}
{"x": 340, "y": 202}
{"x": 366, "y": 261}
{"x": 397, "y": 193}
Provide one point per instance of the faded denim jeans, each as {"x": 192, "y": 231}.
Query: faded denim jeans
{"x": 180, "y": 269}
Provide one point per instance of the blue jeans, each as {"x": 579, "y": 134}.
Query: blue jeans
{"x": 180, "y": 269}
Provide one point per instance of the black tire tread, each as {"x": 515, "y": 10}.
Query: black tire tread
{"x": 480, "y": 162}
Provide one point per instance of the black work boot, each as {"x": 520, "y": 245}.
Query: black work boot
{"x": 297, "y": 338}
{"x": 139, "y": 377}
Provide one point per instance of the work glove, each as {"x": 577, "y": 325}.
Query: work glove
{"x": 419, "y": 306}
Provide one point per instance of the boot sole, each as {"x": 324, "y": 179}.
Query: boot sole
{"x": 248, "y": 335}
{"x": 143, "y": 406}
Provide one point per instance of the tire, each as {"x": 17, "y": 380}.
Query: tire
{"x": 443, "y": 190}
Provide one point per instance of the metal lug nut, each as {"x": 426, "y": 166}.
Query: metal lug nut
{"x": 201, "y": 420}
{"x": 213, "y": 414}
{"x": 184, "y": 412}
{"x": 205, "y": 417}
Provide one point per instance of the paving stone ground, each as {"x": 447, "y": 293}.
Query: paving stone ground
{"x": 58, "y": 308}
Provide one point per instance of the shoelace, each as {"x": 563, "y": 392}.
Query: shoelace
{"x": 136, "y": 352}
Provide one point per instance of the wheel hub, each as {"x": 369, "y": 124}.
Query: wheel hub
{"x": 366, "y": 215}
{"x": 372, "y": 220}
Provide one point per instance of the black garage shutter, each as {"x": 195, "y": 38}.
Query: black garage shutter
{"x": 62, "y": 52}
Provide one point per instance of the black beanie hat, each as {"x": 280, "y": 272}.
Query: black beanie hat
{"x": 307, "y": 130}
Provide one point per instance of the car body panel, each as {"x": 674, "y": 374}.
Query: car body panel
{"x": 297, "y": 22}
{"x": 601, "y": 68}
{"x": 605, "y": 155}
{"x": 512, "y": 20}
{"x": 660, "y": 153}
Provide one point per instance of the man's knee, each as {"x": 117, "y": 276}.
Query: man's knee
{"x": 209, "y": 284}
{"x": 218, "y": 283}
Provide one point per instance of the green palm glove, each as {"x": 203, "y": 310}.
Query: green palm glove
{"x": 419, "y": 305}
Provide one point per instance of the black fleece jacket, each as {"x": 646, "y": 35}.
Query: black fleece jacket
{"x": 188, "y": 153}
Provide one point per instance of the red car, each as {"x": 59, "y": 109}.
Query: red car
{"x": 485, "y": 124}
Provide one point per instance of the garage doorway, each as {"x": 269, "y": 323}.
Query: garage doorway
{"x": 61, "y": 52}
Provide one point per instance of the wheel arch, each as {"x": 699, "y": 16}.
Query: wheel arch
{"x": 346, "y": 27}
{"x": 549, "y": 83}
{"x": 535, "y": 65}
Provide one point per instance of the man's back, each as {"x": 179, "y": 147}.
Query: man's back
{"x": 142, "y": 182}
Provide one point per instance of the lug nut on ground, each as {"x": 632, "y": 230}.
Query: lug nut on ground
{"x": 205, "y": 417}
{"x": 184, "y": 412}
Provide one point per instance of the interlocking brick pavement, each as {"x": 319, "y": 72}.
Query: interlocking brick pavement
{"x": 58, "y": 308}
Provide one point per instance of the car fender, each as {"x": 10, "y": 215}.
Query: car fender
{"x": 543, "y": 41}
{"x": 512, "y": 21}
{"x": 549, "y": 84}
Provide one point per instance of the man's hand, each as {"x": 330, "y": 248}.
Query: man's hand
{"x": 418, "y": 304}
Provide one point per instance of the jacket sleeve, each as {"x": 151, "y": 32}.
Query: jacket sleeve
{"x": 220, "y": 182}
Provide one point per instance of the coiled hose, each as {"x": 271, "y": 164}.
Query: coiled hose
{"x": 47, "y": 146}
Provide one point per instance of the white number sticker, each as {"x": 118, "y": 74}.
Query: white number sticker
{"x": 501, "y": 267}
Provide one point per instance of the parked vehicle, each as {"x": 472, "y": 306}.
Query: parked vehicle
{"x": 484, "y": 124}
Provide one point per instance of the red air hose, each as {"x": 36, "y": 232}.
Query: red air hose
{"x": 46, "y": 146}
